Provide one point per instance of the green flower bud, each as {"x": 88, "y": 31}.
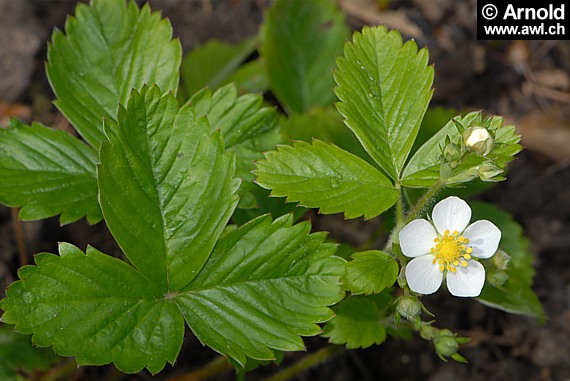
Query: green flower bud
{"x": 478, "y": 140}
{"x": 488, "y": 171}
{"x": 427, "y": 332}
{"x": 452, "y": 154}
{"x": 497, "y": 278}
{"x": 408, "y": 307}
{"x": 445, "y": 343}
{"x": 501, "y": 260}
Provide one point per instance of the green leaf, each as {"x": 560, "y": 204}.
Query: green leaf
{"x": 423, "y": 169}
{"x": 358, "y": 323}
{"x": 167, "y": 191}
{"x": 18, "y": 353}
{"x": 434, "y": 119}
{"x": 47, "y": 172}
{"x": 370, "y": 272}
{"x": 159, "y": 168}
{"x": 250, "y": 77}
{"x": 108, "y": 49}
{"x": 276, "y": 206}
{"x": 326, "y": 177}
{"x": 213, "y": 63}
{"x": 324, "y": 124}
{"x": 248, "y": 129}
{"x": 264, "y": 285}
{"x": 300, "y": 40}
{"x": 516, "y": 295}
{"x": 97, "y": 308}
{"x": 384, "y": 88}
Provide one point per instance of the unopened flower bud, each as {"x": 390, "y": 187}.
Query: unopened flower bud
{"x": 501, "y": 260}
{"x": 488, "y": 171}
{"x": 452, "y": 154}
{"x": 427, "y": 332}
{"x": 478, "y": 140}
{"x": 445, "y": 343}
{"x": 409, "y": 307}
{"x": 497, "y": 278}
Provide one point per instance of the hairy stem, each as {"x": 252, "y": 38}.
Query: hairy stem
{"x": 306, "y": 363}
{"x": 430, "y": 193}
{"x": 19, "y": 237}
{"x": 214, "y": 367}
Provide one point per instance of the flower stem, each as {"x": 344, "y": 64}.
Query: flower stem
{"x": 19, "y": 237}
{"x": 430, "y": 193}
{"x": 214, "y": 367}
{"x": 306, "y": 363}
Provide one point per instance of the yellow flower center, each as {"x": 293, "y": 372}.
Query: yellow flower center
{"x": 450, "y": 251}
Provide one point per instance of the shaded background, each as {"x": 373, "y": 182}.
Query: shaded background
{"x": 526, "y": 81}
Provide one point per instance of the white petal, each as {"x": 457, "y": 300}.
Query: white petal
{"x": 416, "y": 238}
{"x": 467, "y": 281}
{"x": 484, "y": 238}
{"x": 451, "y": 214}
{"x": 423, "y": 276}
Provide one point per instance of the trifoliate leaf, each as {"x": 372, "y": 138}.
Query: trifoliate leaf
{"x": 18, "y": 353}
{"x": 264, "y": 286}
{"x": 108, "y": 49}
{"x": 160, "y": 167}
{"x": 326, "y": 177}
{"x": 369, "y": 272}
{"x": 97, "y": 308}
{"x": 358, "y": 323}
{"x": 384, "y": 88}
{"x": 167, "y": 192}
{"x": 423, "y": 169}
{"x": 213, "y": 63}
{"x": 515, "y": 295}
{"x": 300, "y": 74}
{"x": 248, "y": 129}
{"x": 47, "y": 172}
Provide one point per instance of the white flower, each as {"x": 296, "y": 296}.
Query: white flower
{"x": 448, "y": 248}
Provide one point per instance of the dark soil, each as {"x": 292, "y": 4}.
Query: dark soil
{"x": 470, "y": 74}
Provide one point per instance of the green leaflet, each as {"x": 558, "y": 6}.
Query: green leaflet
{"x": 384, "y": 88}
{"x": 213, "y": 64}
{"x": 300, "y": 74}
{"x": 97, "y": 308}
{"x": 423, "y": 169}
{"x": 18, "y": 353}
{"x": 47, "y": 172}
{"x": 370, "y": 272}
{"x": 160, "y": 167}
{"x": 358, "y": 321}
{"x": 326, "y": 177}
{"x": 108, "y": 49}
{"x": 324, "y": 124}
{"x": 167, "y": 192}
{"x": 516, "y": 295}
{"x": 248, "y": 129}
{"x": 265, "y": 284}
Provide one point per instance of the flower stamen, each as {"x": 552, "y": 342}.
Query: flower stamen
{"x": 451, "y": 251}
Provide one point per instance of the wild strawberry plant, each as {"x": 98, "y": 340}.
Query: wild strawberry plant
{"x": 166, "y": 176}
